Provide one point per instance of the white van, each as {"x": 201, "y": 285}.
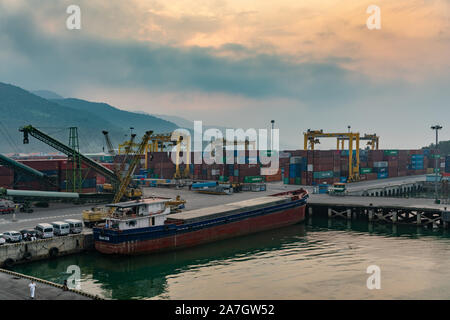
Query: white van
{"x": 44, "y": 230}
{"x": 60, "y": 228}
{"x": 76, "y": 226}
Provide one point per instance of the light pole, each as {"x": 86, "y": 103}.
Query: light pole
{"x": 436, "y": 128}
{"x": 271, "y": 136}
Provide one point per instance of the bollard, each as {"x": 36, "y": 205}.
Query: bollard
{"x": 329, "y": 212}
{"x": 310, "y": 211}
{"x": 370, "y": 215}
{"x": 394, "y": 217}
{"x": 349, "y": 213}
{"x": 419, "y": 218}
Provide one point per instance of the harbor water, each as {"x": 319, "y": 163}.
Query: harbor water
{"x": 318, "y": 259}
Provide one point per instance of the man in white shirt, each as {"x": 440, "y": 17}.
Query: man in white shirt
{"x": 32, "y": 287}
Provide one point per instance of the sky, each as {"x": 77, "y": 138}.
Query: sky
{"x": 242, "y": 63}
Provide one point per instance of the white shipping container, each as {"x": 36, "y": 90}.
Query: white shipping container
{"x": 295, "y": 160}
{"x": 380, "y": 164}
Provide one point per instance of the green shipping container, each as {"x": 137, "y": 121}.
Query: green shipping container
{"x": 286, "y": 180}
{"x": 323, "y": 174}
{"x": 365, "y": 170}
{"x": 390, "y": 152}
{"x": 253, "y": 179}
{"x": 298, "y": 180}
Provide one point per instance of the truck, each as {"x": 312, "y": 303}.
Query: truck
{"x": 338, "y": 189}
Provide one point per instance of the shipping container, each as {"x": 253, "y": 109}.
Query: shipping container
{"x": 382, "y": 175}
{"x": 365, "y": 170}
{"x": 323, "y": 174}
{"x": 390, "y": 152}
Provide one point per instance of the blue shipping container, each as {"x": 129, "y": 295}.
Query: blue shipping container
{"x": 382, "y": 175}
{"x": 380, "y": 170}
{"x": 295, "y": 170}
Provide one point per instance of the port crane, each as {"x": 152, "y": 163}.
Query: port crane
{"x": 312, "y": 137}
{"x": 70, "y": 152}
{"x": 134, "y": 162}
{"x": 97, "y": 215}
{"x": 133, "y": 192}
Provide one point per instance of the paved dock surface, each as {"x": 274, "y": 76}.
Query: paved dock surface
{"x": 381, "y": 183}
{"x": 56, "y": 212}
{"x": 325, "y": 199}
{"x": 16, "y": 288}
{"x": 195, "y": 200}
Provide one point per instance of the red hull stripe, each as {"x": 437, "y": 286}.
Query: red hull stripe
{"x": 189, "y": 239}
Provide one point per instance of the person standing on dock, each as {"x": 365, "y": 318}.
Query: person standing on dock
{"x": 32, "y": 287}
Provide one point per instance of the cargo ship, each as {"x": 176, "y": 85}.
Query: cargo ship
{"x": 148, "y": 226}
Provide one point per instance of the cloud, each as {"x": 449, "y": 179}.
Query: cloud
{"x": 242, "y": 83}
{"x": 74, "y": 58}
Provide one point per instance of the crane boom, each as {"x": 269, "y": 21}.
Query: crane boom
{"x": 128, "y": 150}
{"x": 30, "y": 130}
{"x": 108, "y": 143}
{"x": 26, "y": 170}
{"x": 127, "y": 178}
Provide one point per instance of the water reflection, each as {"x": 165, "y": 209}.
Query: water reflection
{"x": 146, "y": 276}
{"x": 322, "y": 247}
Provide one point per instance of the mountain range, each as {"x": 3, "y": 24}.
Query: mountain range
{"x": 54, "y": 114}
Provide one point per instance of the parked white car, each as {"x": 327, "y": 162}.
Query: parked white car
{"x": 60, "y": 228}
{"x": 44, "y": 230}
{"x": 12, "y": 236}
{"x": 76, "y": 226}
{"x": 2, "y": 239}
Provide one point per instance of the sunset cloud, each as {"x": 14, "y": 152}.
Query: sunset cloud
{"x": 306, "y": 63}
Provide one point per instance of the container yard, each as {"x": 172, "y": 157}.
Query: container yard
{"x": 297, "y": 167}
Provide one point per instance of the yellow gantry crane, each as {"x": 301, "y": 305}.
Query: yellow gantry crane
{"x": 312, "y": 137}
{"x": 128, "y": 146}
{"x": 236, "y": 143}
{"x": 156, "y": 144}
{"x": 372, "y": 141}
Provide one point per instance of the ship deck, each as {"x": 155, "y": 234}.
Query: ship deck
{"x": 227, "y": 209}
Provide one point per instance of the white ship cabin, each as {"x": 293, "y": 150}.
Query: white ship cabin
{"x": 138, "y": 214}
